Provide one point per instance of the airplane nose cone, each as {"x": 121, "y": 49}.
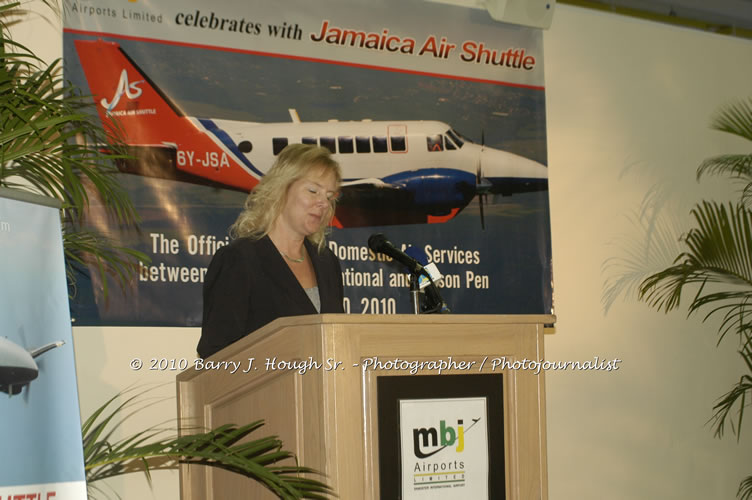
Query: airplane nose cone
{"x": 12, "y": 354}
{"x": 508, "y": 173}
{"x": 495, "y": 163}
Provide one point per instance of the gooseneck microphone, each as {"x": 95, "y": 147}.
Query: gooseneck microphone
{"x": 434, "y": 302}
{"x": 415, "y": 265}
{"x": 379, "y": 244}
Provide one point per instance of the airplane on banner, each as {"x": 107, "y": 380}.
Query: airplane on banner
{"x": 394, "y": 172}
{"x": 17, "y": 365}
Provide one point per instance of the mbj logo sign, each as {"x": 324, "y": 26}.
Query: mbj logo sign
{"x": 444, "y": 448}
{"x": 444, "y": 436}
{"x": 130, "y": 90}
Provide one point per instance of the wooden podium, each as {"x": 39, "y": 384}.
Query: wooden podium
{"x": 329, "y": 417}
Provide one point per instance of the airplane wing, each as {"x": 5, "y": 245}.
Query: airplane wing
{"x": 373, "y": 202}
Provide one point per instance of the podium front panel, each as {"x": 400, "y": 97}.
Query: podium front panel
{"x": 330, "y": 416}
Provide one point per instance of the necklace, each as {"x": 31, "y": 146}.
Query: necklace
{"x": 298, "y": 261}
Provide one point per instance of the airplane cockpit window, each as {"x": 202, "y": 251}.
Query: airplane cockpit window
{"x": 398, "y": 143}
{"x": 329, "y": 143}
{"x": 309, "y": 140}
{"x": 245, "y": 146}
{"x": 457, "y": 137}
{"x": 345, "y": 144}
{"x": 434, "y": 142}
{"x": 278, "y": 144}
{"x": 379, "y": 145}
{"x": 363, "y": 144}
{"x": 449, "y": 144}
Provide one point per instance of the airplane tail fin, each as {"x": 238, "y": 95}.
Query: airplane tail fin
{"x": 134, "y": 109}
{"x": 122, "y": 91}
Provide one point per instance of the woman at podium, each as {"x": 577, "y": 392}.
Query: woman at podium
{"x": 277, "y": 264}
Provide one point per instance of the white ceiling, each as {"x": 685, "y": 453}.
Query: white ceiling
{"x": 722, "y": 13}
{"x": 726, "y": 16}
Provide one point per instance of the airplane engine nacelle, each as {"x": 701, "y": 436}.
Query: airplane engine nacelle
{"x": 440, "y": 189}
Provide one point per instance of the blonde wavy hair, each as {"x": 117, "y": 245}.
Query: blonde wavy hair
{"x": 268, "y": 198}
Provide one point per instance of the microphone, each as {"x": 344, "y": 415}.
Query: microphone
{"x": 427, "y": 282}
{"x": 431, "y": 273}
{"x": 379, "y": 244}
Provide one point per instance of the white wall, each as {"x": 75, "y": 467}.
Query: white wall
{"x": 628, "y": 104}
{"x": 38, "y": 27}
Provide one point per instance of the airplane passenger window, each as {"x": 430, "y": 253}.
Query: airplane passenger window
{"x": 434, "y": 142}
{"x": 278, "y": 144}
{"x": 398, "y": 143}
{"x": 309, "y": 140}
{"x": 363, "y": 144}
{"x": 345, "y": 144}
{"x": 449, "y": 144}
{"x": 245, "y": 146}
{"x": 329, "y": 143}
{"x": 379, "y": 145}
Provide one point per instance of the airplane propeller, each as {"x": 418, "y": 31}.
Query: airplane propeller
{"x": 478, "y": 177}
{"x": 26, "y": 394}
{"x": 481, "y": 186}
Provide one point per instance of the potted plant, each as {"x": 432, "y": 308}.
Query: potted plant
{"x": 52, "y": 145}
{"x": 712, "y": 263}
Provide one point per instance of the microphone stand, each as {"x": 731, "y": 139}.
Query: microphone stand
{"x": 415, "y": 292}
{"x": 430, "y": 307}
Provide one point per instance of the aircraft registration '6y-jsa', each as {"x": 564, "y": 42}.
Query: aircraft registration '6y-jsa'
{"x": 395, "y": 172}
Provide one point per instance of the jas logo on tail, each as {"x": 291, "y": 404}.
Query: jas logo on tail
{"x": 131, "y": 91}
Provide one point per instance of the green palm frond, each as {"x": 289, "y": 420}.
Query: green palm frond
{"x": 84, "y": 248}
{"x": 735, "y": 118}
{"x": 717, "y": 261}
{"x": 733, "y": 165}
{"x": 740, "y": 393}
{"x": 652, "y": 244}
{"x": 158, "y": 448}
{"x": 719, "y": 252}
{"x": 52, "y": 144}
{"x": 48, "y": 143}
{"x": 745, "y": 489}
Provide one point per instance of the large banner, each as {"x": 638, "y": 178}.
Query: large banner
{"x": 436, "y": 114}
{"x": 42, "y": 451}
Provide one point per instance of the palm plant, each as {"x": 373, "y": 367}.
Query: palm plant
{"x": 715, "y": 265}
{"x": 157, "y": 448}
{"x": 51, "y": 145}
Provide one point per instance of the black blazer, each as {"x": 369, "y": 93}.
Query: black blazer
{"x": 248, "y": 284}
